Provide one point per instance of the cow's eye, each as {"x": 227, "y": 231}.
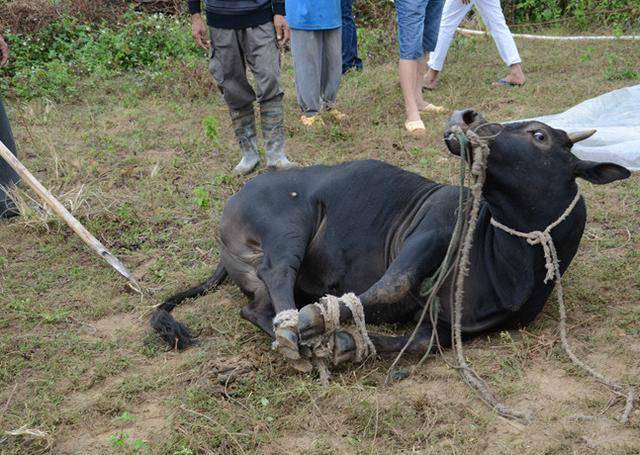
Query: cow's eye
{"x": 538, "y": 135}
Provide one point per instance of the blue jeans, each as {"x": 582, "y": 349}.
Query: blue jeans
{"x": 418, "y": 26}
{"x": 350, "y": 57}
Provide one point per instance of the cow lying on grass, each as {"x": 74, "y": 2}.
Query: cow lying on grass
{"x": 288, "y": 238}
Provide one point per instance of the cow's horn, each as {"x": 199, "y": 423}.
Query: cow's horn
{"x": 581, "y": 135}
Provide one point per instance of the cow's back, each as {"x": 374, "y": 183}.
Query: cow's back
{"x": 348, "y": 213}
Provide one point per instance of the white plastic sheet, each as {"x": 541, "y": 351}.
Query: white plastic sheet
{"x": 616, "y": 116}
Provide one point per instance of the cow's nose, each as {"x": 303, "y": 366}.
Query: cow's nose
{"x": 463, "y": 118}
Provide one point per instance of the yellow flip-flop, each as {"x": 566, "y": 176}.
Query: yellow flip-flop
{"x": 415, "y": 126}
{"x": 432, "y": 108}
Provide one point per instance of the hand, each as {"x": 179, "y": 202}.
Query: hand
{"x": 4, "y": 51}
{"x": 199, "y": 31}
{"x": 282, "y": 29}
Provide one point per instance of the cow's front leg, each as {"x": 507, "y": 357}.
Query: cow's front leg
{"x": 420, "y": 254}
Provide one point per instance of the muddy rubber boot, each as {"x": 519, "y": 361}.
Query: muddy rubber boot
{"x": 271, "y": 117}
{"x": 244, "y": 127}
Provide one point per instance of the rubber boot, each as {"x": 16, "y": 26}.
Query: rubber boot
{"x": 244, "y": 127}
{"x": 271, "y": 117}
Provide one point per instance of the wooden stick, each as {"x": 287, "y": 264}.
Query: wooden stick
{"x": 68, "y": 218}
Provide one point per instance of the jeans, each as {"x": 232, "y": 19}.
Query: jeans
{"x": 350, "y": 57}
{"x": 418, "y": 26}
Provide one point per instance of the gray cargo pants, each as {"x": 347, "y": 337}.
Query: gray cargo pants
{"x": 232, "y": 51}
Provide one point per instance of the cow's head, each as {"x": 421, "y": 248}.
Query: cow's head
{"x": 530, "y": 162}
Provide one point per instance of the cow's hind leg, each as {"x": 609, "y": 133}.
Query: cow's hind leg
{"x": 345, "y": 347}
{"x": 278, "y": 271}
{"x": 260, "y": 312}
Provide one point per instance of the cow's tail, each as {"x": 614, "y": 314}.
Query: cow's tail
{"x": 172, "y": 331}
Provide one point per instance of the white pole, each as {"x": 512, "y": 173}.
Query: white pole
{"x": 71, "y": 221}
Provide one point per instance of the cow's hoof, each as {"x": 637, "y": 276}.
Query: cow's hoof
{"x": 344, "y": 349}
{"x": 302, "y": 365}
{"x": 287, "y": 343}
{"x": 310, "y": 322}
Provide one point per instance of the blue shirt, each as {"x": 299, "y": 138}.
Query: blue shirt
{"x": 314, "y": 14}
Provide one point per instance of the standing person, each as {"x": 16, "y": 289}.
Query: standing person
{"x": 491, "y": 12}
{"x": 350, "y": 57}
{"x": 316, "y": 49}
{"x": 8, "y": 176}
{"x": 247, "y": 33}
{"x": 418, "y": 24}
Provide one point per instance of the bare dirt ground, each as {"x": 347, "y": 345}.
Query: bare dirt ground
{"x": 79, "y": 363}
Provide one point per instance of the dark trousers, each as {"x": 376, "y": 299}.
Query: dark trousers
{"x": 8, "y": 176}
{"x": 350, "y": 57}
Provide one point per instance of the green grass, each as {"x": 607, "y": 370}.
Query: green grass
{"x": 145, "y": 161}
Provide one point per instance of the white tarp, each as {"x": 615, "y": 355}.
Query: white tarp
{"x": 616, "y": 116}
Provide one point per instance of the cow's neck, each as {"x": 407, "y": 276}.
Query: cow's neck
{"x": 530, "y": 210}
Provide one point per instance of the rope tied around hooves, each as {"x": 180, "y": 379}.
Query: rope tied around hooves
{"x": 321, "y": 348}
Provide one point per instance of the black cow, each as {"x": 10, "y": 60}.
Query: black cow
{"x": 288, "y": 238}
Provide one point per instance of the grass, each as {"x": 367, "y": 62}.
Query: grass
{"x": 150, "y": 160}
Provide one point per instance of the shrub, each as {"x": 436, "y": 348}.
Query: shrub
{"x": 50, "y": 63}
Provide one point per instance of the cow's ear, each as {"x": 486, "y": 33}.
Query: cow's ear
{"x": 600, "y": 173}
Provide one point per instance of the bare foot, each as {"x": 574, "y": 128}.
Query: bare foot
{"x": 516, "y": 75}
{"x": 430, "y": 80}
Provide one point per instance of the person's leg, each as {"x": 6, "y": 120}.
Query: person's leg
{"x": 331, "y": 66}
{"x": 429, "y": 38}
{"x": 263, "y": 56}
{"x": 350, "y": 57}
{"x": 306, "y": 52}
{"x": 227, "y": 65}
{"x": 492, "y": 15}
{"x": 452, "y": 14}
{"x": 8, "y": 176}
{"x": 410, "y": 29}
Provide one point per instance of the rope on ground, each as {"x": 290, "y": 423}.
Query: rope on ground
{"x": 469, "y": 31}
{"x": 543, "y": 238}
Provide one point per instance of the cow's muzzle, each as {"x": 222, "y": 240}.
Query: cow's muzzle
{"x": 465, "y": 119}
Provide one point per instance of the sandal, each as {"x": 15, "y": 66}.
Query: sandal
{"x": 434, "y": 109}
{"x": 416, "y": 126}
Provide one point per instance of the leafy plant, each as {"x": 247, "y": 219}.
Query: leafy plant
{"x": 203, "y": 199}
{"x": 121, "y": 440}
{"x": 210, "y": 126}
{"x": 52, "y": 62}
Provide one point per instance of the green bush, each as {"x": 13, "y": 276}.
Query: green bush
{"x": 577, "y": 14}
{"x": 51, "y": 62}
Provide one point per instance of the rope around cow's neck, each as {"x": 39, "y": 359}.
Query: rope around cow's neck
{"x": 542, "y": 238}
